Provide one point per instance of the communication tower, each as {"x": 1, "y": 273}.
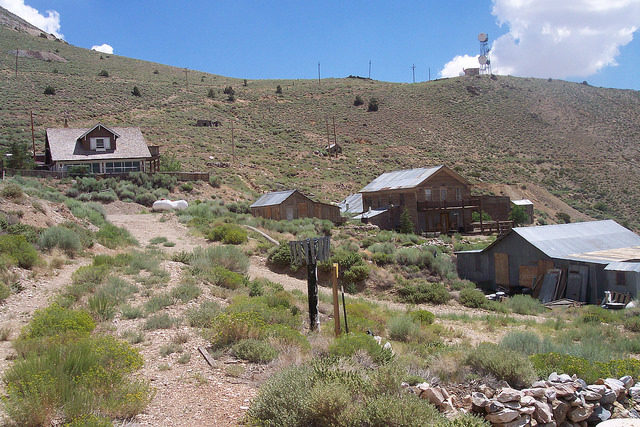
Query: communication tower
{"x": 483, "y": 59}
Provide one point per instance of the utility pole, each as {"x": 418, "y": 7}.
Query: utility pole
{"x": 326, "y": 121}
{"x": 186, "y": 77}
{"x": 33, "y": 138}
{"x": 413, "y": 68}
{"x": 335, "y": 137}
{"x": 429, "y": 73}
{"x": 16, "y": 63}
{"x": 318, "y": 73}
{"x": 369, "y": 69}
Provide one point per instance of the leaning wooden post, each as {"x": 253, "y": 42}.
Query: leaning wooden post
{"x": 312, "y": 289}
{"x": 336, "y": 304}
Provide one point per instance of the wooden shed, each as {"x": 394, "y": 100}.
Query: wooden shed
{"x": 292, "y": 204}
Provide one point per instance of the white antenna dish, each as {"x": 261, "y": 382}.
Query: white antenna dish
{"x": 482, "y": 60}
{"x": 483, "y": 37}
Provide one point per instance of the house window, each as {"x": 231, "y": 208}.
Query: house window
{"x": 620, "y": 278}
{"x": 443, "y": 194}
{"x": 121, "y": 167}
{"x": 99, "y": 144}
{"x": 458, "y": 193}
{"x": 427, "y": 194}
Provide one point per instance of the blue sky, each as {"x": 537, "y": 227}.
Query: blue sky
{"x": 287, "y": 39}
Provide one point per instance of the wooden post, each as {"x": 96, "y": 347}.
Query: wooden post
{"x": 481, "y": 225}
{"x": 336, "y": 304}
{"x": 312, "y": 292}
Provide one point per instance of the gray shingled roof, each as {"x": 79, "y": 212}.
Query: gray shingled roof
{"x": 64, "y": 145}
{"x": 581, "y": 240}
{"x": 623, "y": 266}
{"x": 273, "y": 198}
{"x": 407, "y": 178}
{"x": 354, "y": 203}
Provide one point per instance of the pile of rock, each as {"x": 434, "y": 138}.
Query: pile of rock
{"x": 560, "y": 401}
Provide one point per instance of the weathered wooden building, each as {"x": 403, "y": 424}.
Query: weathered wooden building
{"x": 527, "y": 206}
{"x": 593, "y": 257}
{"x": 292, "y": 204}
{"x": 100, "y": 150}
{"x": 437, "y": 199}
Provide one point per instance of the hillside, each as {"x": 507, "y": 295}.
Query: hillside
{"x": 576, "y": 141}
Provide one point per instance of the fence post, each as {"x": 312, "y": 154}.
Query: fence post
{"x": 336, "y": 304}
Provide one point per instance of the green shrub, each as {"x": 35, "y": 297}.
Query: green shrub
{"x": 414, "y": 256}
{"x": 185, "y": 292}
{"x": 632, "y": 324}
{"x": 220, "y": 276}
{"x": 129, "y": 312}
{"x": 373, "y": 104}
{"x": 146, "y": 198}
{"x": 158, "y": 302}
{"x": 136, "y": 91}
{"x": 403, "y": 410}
{"x": 29, "y": 232}
{"x": 60, "y": 237}
{"x": 214, "y": 181}
{"x": 402, "y": 328}
{"x": 49, "y": 90}
{"x": 55, "y": 320}
{"x": 229, "y": 328}
{"x": 18, "y": 250}
{"x": 75, "y": 380}
{"x": 424, "y": 292}
{"x": 255, "y": 351}
{"x": 229, "y": 257}
{"x": 473, "y": 298}
{"x": 102, "y": 306}
{"x": 525, "y": 304}
{"x": 103, "y": 73}
{"x": 159, "y": 321}
{"x": 12, "y": 191}
{"x": 346, "y": 345}
{"x": 525, "y": 342}
{"x": 203, "y": 315}
{"x": 5, "y": 291}
{"x": 286, "y": 335}
{"x": 424, "y": 317}
{"x": 113, "y": 237}
{"x": 280, "y": 256}
{"x": 356, "y": 274}
{"x": 504, "y": 364}
{"x": 358, "y": 101}
{"x": 230, "y": 234}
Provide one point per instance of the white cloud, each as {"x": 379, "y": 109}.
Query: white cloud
{"x": 560, "y": 39}
{"x": 104, "y": 48}
{"x": 49, "y": 23}
{"x": 454, "y": 67}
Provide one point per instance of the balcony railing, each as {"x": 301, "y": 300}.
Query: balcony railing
{"x": 473, "y": 202}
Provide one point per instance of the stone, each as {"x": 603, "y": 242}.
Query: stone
{"x": 540, "y": 384}
{"x": 505, "y": 415}
{"x": 447, "y": 406}
{"x": 494, "y": 406}
{"x": 582, "y": 384}
{"x": 564, "y": 389}
{"x": 575, "y": 401}
{"x": 543, "y": 413}
{"x": 627, "y": 380}
{"x": 591, "y": 395}
{"x": 512, "y": 405}
{"x": 597, "y": 388}
{"x": 527, "y": 410}
{"x": 444, "y": 392}
{"x": 634, "y": 414}
{"x": 521, "y": 421}
{"x": 599, "y": 415}
{"x": 564, "y": 378}
{"x": 527, "y": 400}
{"x": 479, "y": 399}
{"x": 534, "y": 392}
{"x": 616, "y": 385}
{"x": 486, "y": 390}
{"x": 608, "y": 397}
{"x": 422, "y": 386}
{"x": 466, "y": 401}
{"x": 554, "y": 377}
{"x": 560, "y": 410}
{"x": 433, "y": 395}
{"x": 550, "y": 394}
{"x": 634, "y": 392}
{"x": 509, "y": 395}
{"x": 579, "y": 414}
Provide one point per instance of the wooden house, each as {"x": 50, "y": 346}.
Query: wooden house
{"x": 590, "y": 258}
{"x": 292, "y": 204}
{"x": 100, "y": 150}
{"x": 436, "y": 198}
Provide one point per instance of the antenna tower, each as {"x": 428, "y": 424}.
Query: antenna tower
{"x": 483, "y": 59}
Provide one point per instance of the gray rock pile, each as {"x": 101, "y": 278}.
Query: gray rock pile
{"x": 561, "y": 400}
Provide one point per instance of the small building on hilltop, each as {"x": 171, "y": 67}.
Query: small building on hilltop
{"x": 292, "y": 204}
{"x": 100, "y": 150}
{"x": 438, "y": 199}
{"x": 578, "y": 261}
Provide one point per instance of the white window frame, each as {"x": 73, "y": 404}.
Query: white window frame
{"x": 428, "y": 194}
{"x": 105, "y": 140}
{"x": 443, "y": 194}
{"x": 458, "y": 193}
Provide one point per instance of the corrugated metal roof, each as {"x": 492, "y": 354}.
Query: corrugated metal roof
{"x": 522, "y": 202}
{"x": 624, "y": 266}
{"x": 352, "y": 204}
{"x": 64, "y": 145}
{"x": 273, "y": 198}
{"x": 592, "y": 241}
{"x": 407, "y": 178}
{"x": 370, "y": 213}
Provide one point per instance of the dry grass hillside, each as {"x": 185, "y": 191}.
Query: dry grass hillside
{"x": 576, "y": 141}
